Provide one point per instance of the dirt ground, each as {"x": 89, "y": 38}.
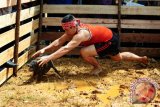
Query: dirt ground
{"x": 78, "y": 88}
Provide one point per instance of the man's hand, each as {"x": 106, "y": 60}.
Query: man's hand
{"x": 38, "y": 53}
{"x": 43, "y": 60}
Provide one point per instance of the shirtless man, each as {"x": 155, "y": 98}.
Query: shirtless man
{"x": 96, "y": 41}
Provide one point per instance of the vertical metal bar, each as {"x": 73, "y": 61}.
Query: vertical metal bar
{"x": 119, "y": 21}
{"x": 40, "y": 25}
{"x": 17, "y": 29}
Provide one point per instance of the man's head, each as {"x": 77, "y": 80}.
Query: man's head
{"x": 68, "y": 18}
{"x": 69, "y": 24}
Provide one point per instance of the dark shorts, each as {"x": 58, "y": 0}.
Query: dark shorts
{"x": 110, "y": 47}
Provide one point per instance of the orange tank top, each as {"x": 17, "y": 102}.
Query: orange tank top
{"x": 98, "y": 34}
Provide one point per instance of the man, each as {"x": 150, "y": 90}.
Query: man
{"x": 97, "y": 40}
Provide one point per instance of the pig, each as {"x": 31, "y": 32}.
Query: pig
{"x": 38, "y": 71}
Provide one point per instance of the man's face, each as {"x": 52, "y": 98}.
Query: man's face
{"x": 70, "y": 30}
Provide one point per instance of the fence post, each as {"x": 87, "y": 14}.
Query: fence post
{"x": 119, "y": 21}
{"x": 17, "y": 29}
{"x": 40, "y": 25}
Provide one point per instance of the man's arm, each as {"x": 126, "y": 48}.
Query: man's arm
{"x": 76, "y": 40}
{"x": 56, "y": 43}
{"x": 53, "y": 46}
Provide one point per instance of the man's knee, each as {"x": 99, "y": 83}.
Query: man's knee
{"x": 88, "y": 51}
{"x": 83, "y": 53}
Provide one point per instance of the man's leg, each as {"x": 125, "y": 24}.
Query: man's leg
{"x": 128, "y": 56}
{"x": 88, "y": 54}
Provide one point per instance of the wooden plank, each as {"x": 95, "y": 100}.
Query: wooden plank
{"x": 102, "y": 9}
{"x": 50, "y": 35}
{"x": 23, "y": 59}
{"x": 8, "y": 53}
{"x": 27, "y": 42}
{"x": 30, "y": 12}
{"x": 8, "y": 36}
{"x": 140, "y": 37}
{"x": 80, "y": 9}
{"x": 9, "y": 19}
{"x": 24, "y": 44}
{"x": 52, "y": 21}
{"x": 150, "y": 52}
{"x": 28, "y": 27}
{"x": 8, "y": 3}
{"x": 140, "y": 10}
{"x": 5, "y": 74}
{"x": 56, "y": 21}
{"x": 34, "y": 38}
{"x": 140, "y": 24}
{"x": 111, "y": 23}
{"x": 140, "y": 21}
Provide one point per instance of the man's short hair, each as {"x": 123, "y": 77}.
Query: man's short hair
{"x": 67, "y": 18}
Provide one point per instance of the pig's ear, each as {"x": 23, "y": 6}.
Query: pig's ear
{"x": 29, "y": 65}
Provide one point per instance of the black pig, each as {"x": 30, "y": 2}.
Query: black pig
{"x": 38, "y": 71}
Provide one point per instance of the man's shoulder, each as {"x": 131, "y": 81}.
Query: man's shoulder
{"x": 83, "y": 35}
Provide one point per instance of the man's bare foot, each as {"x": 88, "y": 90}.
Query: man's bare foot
{"x": 144, "y": 60}
{"x": 96, "y": 71}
